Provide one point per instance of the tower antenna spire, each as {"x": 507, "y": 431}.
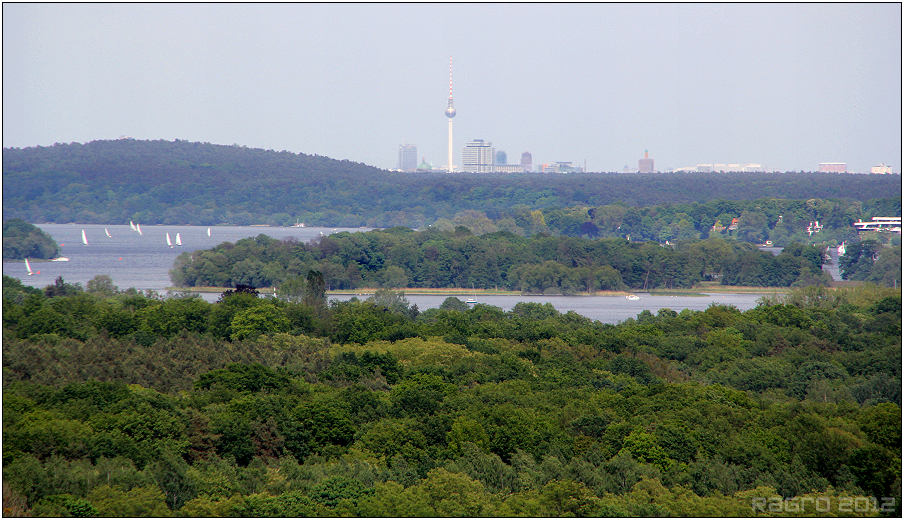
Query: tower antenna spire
{"x": 450, "y": 77}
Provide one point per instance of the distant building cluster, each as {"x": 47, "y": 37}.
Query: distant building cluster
{"x": 833, "y": 167}
{"x": 479, "y": 156}
{"x": 560, "y": 167}
{"x": 730, "y": 167}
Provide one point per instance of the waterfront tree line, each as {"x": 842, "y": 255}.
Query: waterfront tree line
{"x": 123, "y": 403}
{"x": 400, "y": 257}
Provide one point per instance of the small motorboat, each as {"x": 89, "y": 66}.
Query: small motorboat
{"x": 632, "y": 297}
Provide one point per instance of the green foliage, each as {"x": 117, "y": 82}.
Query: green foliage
{"x": 261, "y": 319}
{"x": 136, "y": 502}
{"x": 244, "y": 378}
{"x": 480, "y": 412}
{"x": 23, "y": 240}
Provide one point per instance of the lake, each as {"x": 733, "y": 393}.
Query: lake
{"x": 143, "y": 262}
{"x": 133, "y": 260}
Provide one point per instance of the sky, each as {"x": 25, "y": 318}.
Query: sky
{"x": 787, "y": 86}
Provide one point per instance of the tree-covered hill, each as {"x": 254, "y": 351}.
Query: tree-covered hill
{"x": 162, "y": 182}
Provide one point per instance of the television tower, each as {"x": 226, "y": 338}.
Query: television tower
{"x": 450, "y": 113}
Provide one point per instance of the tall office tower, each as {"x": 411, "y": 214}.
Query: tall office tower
{"x": 526, "y": 161}
{"x": 645, "y": 165}
{"x": 478, "y": 156}
{"x": 407, "y": 157}
{"x": 501, "y": 157}
{"x": 450, "y": 113}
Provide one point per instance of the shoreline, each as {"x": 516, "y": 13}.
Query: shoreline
{"x": 699, "y": 291}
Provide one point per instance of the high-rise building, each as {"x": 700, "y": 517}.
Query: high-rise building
{"x": 407, "y": 157}
{"x": 526, "y": 162}
{"x": 880, "y": 169}
{"x": 501, "y": 157}
{"x": 645, "y": 165}
{"x": 450, "y": 113}
{"x": 478, "y": 156}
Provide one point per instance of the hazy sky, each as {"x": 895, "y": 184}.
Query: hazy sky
{"x": 784, "y": 85}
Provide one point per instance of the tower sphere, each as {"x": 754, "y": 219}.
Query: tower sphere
{"x": 450, "y": 112}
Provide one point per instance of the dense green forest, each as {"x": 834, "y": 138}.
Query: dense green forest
{"x": 119, "y": 403}
{"x": 23, "y": 240}
{"x": 400, "y": 257}
{"x": 162, "y": 182}
{"x": 869, "y": 261}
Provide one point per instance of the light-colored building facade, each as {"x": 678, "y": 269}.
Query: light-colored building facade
{"x": 880, "y": 169}
{"x": 478, "y": 156}
{"x": 833, "y": 167}
{"x": 892, "y": 224}
{"x": 509, "y": 168}
{"x": 730, "y": 167}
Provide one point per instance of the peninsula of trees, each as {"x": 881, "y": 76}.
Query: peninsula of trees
{"x": 23, "y": 240}
{"x": 400, "y": 257}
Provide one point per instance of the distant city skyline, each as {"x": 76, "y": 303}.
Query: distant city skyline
{"x": 593, "y": 84}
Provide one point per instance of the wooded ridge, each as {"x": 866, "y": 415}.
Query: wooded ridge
{"x": 190, "y": 183}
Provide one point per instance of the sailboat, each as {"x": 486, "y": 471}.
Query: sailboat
{"x": 168, "y": 241}
{"x": 138, "y": 227}
{"x": 84, "y": 238}
{"x": 208, "y": 231}
{"x": 178, "y": 240}
{"x": 132, "y": 225}
{"x": 841, "y": 249}
{"x": 108, "y": 233}
{"x": 473, "y": 300}
{"x": 28, "y": 266}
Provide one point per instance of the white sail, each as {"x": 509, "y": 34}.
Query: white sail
{"x": 28, "y": 266}
{"x": 138, "y": 227}
{"x": 132, "y": 225}
{"x": 168, "y": 241}
{"x": 108, "y": 233}
{"x": 84, "y": 238}
{"x": 208, "y": 231}
{"x": 178, "y": 240}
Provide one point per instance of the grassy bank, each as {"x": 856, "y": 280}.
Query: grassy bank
{"x": 715, "y": 287}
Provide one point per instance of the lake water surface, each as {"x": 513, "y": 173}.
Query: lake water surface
{"x": 143, "y": 262}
